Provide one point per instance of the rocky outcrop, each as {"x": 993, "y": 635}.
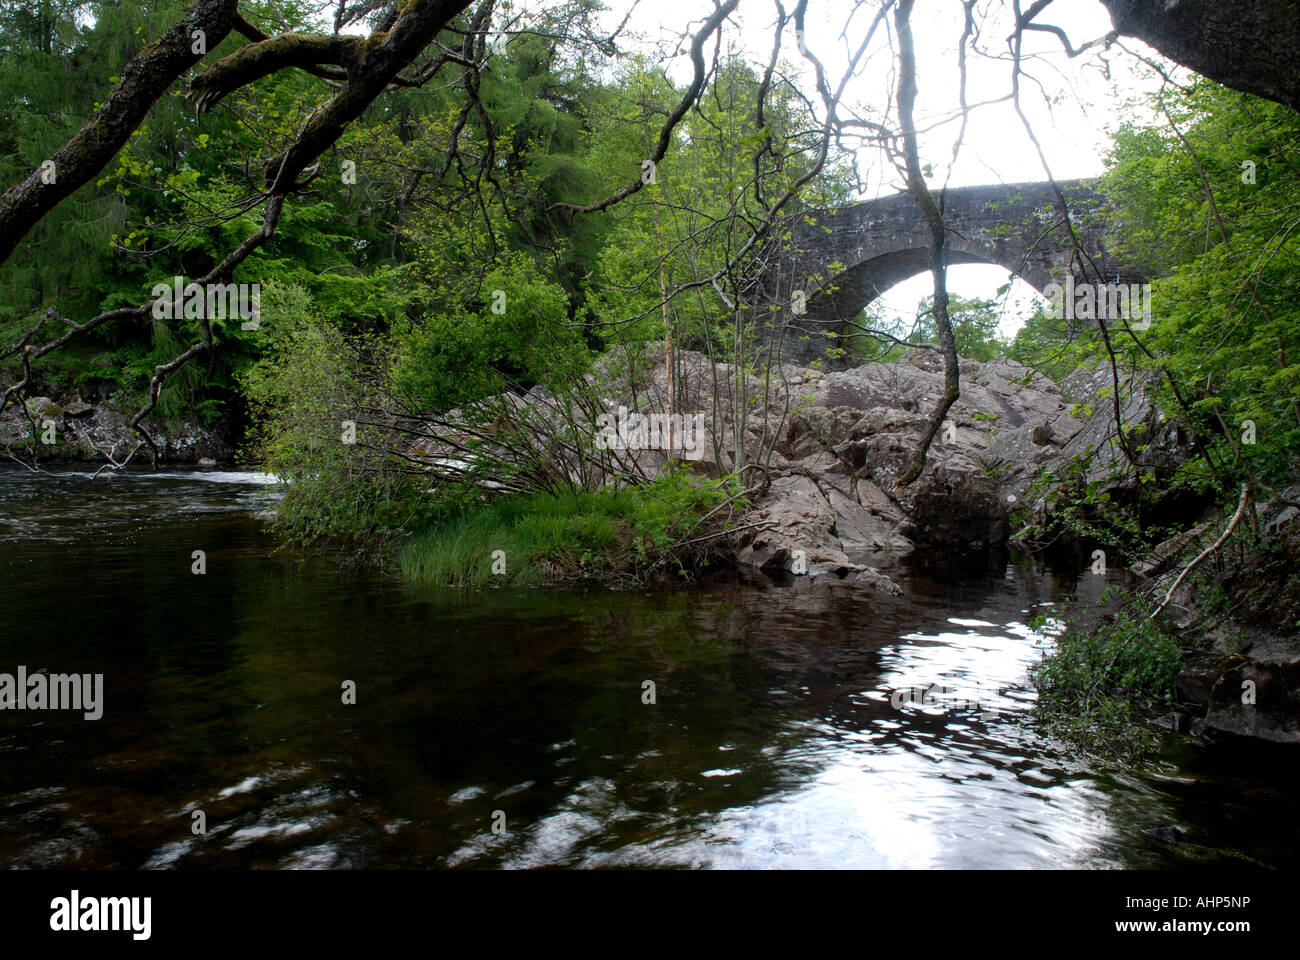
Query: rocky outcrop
{"x": 1240, "y": 695}
{"x": 72, "y": 429}
{"x": 1257, "y": 698}
{"x": 827, "y": 449}
{"x": 1159, "y": 444}
{"x": 818, "y": 530}
{"x": 839, "y": 441}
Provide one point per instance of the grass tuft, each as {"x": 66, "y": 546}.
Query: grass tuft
{"x": 621, "y": 535}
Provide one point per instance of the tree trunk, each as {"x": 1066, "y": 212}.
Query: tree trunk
{"x": 1248, "y": 45}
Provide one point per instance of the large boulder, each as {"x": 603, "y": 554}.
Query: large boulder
{"x": 1257, "y": 698}
{"x": 794, "y": 532}
{"x": 854, "y": 432}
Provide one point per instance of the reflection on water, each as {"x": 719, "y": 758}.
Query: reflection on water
{"x": 795, "y": 725}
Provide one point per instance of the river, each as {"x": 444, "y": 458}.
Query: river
{"x": 515, "y": 729}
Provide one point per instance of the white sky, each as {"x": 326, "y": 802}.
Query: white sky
{"x": 996, "y": 148}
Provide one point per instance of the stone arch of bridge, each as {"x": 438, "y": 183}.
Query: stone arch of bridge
{"x": 839, "y": 260}
{"x": 836, "y": 299}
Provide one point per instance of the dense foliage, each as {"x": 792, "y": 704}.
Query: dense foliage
{"x": 1207, "y": 191}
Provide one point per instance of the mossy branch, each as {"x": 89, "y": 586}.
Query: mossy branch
{"x": 265, "y": 57}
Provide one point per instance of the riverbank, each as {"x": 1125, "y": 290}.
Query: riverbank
{"x": 70, "y": 429}
{"x": 1244, "y": 611}
{"x": 1203, "y": 640}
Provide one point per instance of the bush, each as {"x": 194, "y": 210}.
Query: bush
{"x": 519, "y": 333}
{"x": 308, "y": 386}
{"x": 1104, "y": 678}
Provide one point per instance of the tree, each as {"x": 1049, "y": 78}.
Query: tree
{"x": 370, "y": 65}
{"x": 1209, "y": 193}
{"x": 974, "y": 327}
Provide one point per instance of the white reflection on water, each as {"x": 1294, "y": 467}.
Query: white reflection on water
{"x": 959, "y": 782}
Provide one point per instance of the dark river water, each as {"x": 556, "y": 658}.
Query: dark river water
{"x": 510, "y": 728}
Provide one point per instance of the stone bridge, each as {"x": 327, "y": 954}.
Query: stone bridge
{"x": 844, "y": 258}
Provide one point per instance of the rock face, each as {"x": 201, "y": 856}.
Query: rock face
{"x": 819, "y": 530}
{"x": 1257, "y": 698}
{"x": 1160, "y": 445}
{"x": 831, "y": 508}
{"x": 827, "y": 448}
{"x": 76, "y": 430}
{"x": 831, "y": 446}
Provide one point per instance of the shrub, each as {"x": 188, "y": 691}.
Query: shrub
{"x": 1104, "y": 677}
